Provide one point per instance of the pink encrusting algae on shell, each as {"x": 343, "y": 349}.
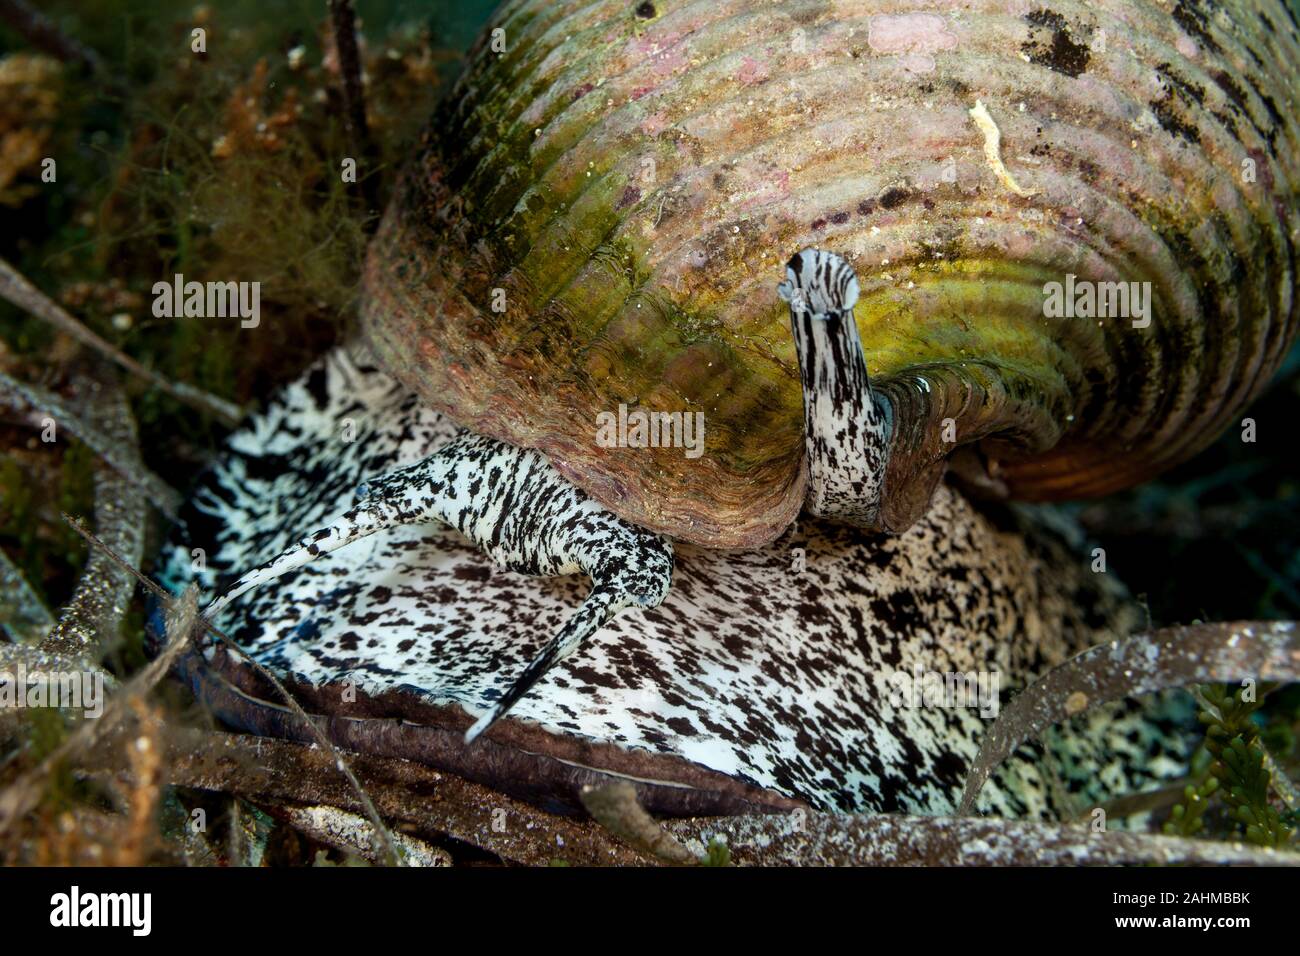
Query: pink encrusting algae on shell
{"x": 597, "y": 215}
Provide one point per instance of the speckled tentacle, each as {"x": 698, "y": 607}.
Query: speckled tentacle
{"x": 601, "y": 604}
{"x": 846, "y": 429}
{"x": 514, "y": 505}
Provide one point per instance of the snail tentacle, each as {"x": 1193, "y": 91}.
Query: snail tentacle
{"x": 846, "y": 427}
{"x": 601, "y": 604}
{"x": 523, "y": 514}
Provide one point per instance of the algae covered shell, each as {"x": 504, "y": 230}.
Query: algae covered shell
{"x": 597, "y": 217}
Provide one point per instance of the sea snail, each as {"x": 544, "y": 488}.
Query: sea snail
{"x": 594, "y": 221}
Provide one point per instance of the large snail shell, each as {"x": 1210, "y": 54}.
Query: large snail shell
{"x": 634, "y": 175}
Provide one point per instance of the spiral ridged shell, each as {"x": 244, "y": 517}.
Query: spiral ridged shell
{"x": 633, "y": 176}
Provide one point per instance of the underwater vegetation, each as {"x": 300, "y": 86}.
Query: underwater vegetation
{"x": 225, "y": 162}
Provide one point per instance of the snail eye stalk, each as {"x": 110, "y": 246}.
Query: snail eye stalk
{"x": 846, "y": 428}
{"x": 524, "y": 515}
